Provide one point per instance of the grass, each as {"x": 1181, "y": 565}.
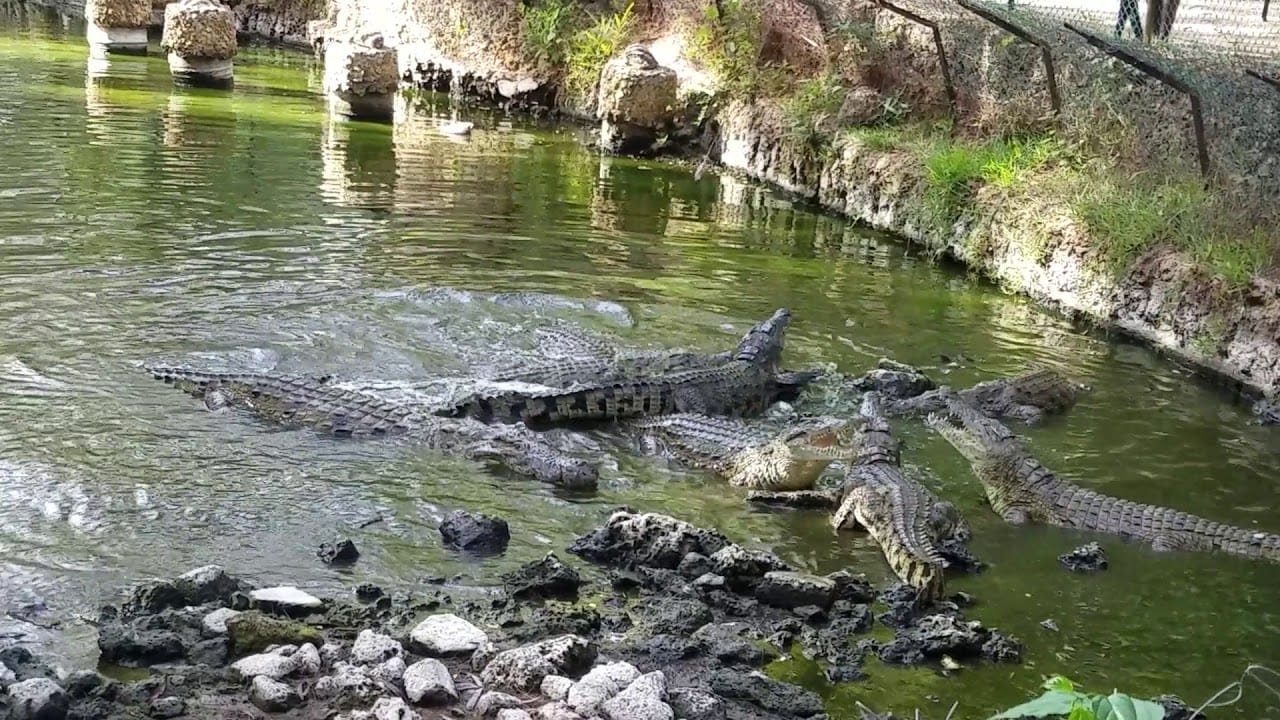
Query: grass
{"x": 591, "y": 48}
{"x": 955, "y": 169}
{"x": 728, "y": 42}
{"x": 812, "y": 111}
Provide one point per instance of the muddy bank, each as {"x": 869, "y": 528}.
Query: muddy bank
{"x": 644, "y": 617}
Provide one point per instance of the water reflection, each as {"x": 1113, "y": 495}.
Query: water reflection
{"x": 358, "y": 164}
{"x": 196, "y": 120}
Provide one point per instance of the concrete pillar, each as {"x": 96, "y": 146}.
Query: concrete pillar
{"x": 117, "y": 26}
{"x": 360, "y": 77}
{"x": 200, "y": 37}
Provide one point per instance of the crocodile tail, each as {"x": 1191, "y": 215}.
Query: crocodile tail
{"x": 601, "y": 402}
{"x": 197, "y": 382}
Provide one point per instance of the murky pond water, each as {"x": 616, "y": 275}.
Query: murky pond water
{"x": 139, "y": 221}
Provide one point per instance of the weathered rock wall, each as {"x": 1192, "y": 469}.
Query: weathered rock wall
{"x": 1039, "y": 251}
{"x": 282, "y": 22}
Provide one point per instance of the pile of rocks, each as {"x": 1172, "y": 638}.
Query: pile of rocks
{"x": 668, "y": 621}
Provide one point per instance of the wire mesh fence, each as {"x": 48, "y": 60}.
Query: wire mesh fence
{"x": 1193, "y": 83}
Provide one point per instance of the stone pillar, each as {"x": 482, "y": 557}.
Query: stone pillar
{"x": 636, "y": 100}
{"x": 360, "y": 77}
{"x": 117, "y": 26}
{"x": 200, "y": 37}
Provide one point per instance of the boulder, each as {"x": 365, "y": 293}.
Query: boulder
{"x": 341, "y": 552}
{"x": 270, "y": 665}
{"x": 636, "y": 100}
{"x": 791, "y": 590}
{"x": 475, "y": 532}
{"x": 428, "y": 682}
{"x": 253, "y": 631}
{"x": 522, "y": 669}
{"x": 447, "y": 634}
{"x": 169, "y": 706}
{"x": 38, "y": 699}
{"x": 643, "y": 699}
{"x": 272, "y": 696}
{"x": 372, "y": 648}
{"x": 546, "y": 578}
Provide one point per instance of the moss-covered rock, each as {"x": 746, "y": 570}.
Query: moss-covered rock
{"x": 253, "y": 631}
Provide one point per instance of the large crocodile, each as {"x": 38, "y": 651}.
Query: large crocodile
{"x": 742, "y": 386}
{"x": 569, "y": 358}
{"x": 906, "y": 520}
{"x": 1027, "y": 397}
{"x": 316, "y": 403}
{"x": 748, "y": 455}
{"x": 1020, "y": 489}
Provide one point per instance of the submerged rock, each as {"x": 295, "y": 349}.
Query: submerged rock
{"x": 475, "y": 532}
{"x": 338, "y": 553}
{"x": 1086, "y": 558}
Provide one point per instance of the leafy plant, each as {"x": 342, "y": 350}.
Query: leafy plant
{"x": 591, "y": 48}
{"x": 811, "y": 111}
{"x": 1062, "y": 699}
{"x": 728, "y": 42}
{"x": 544, "y": 25}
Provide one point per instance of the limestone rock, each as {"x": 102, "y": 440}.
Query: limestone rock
{"x": 118, "y": 13}
{"x": 372, "y": 648}
{"x": 360, "y": 66}
{"x": 643, "y": 699}
{"x": 556, "y": 687}
{"x": 790, "y": 590}
{"x": 208, "y": 583}
{"x": 169, "y": 706}
{"x": 545, "y": 578}
{"x": 285, "y": 598}
{"x": 632, "y": 540}
{"x": 636, "y": 90}
{"x": 601, "y": 683}
{"x": 393, "y": 709}
{"x": 347, "y": 686}
{"x": 269, "y": 664}
{"x": 308, "y": 660}
{"x": 215, "y": 623}
{"x": 522, "y": 669}
{"x": 447, "y": 634}
{"x": 428, "y": 682}
{"x": 203, "y": 29}
{"x": 272, "y": 695}
{"x": 38, "y": 699}
{"x": 513, "y": 714}
{"x": 695, "y": 704}
{"x": 491, "y": 703}
{"x": 389, "y": 671}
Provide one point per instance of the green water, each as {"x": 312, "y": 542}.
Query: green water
{"x": 139, "y": 221}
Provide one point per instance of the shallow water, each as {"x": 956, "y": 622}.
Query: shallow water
{"x": 245, "y": 229}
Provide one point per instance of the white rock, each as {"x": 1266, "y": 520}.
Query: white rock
{"x": 37, "y": 699}
{"x": 622, "y": 673}
{"x": 372, "y": 648}
{"x": 216, "y": 621}
{"x": 393, "y": 709}
{"x": 557, "y": 711}
{"x": 308, "y": 660}
{"x": 643, "y": 699}
{"x": 588, "y": 694}
{"x": 269, "y": 664}
{"x": 347, "y": 681}
{"x": 286, "y": 595}
{"x": 285, "y": 650}
{"x": 428, "y": 682}
{"x": 390, "y": 671}
{"x": 556, "y": 687}
{"x": 447, "y": 634}
{"x": 272, "y": 695}
{"x": 331, "y": 653}
{"x": 513, "y": 714}
{"x": 6, "y": 675}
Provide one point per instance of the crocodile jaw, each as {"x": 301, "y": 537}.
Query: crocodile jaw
{"x": 773, "y": 466}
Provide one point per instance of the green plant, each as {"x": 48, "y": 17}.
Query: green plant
{"x": 810, "y": 113}
{"x": 1010, "y": 161}
{"x": 591, "y": 48}
{"x": 1127, "y": 219}
{"x": 951, "y": 170}
{"x": 1061, "y": 699}
{"x": 544, "y": 25}
{"x": 728, "y": 42}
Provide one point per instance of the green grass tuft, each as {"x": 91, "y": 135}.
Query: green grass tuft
{"x": 591, "y": 48}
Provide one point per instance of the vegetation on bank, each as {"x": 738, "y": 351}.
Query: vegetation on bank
{"x": 576, "y": 38}
{"x": 1126, "y": 206}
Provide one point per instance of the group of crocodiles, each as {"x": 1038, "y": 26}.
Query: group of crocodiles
{"x": 707, "y": 411}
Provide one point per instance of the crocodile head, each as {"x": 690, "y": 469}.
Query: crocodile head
{"x": 980, "y": 439}
{"x": 762, "y": 345}
{"x": 795, "y": 458}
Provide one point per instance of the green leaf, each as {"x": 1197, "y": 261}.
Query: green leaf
{"x": 1050, "y": 704}
{"x": 1119, "y": 706}
{"x": 1081, "y": 712}
{"x": 1058, "y": 682}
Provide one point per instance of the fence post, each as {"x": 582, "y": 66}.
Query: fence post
{"x": 1055, "y": 100}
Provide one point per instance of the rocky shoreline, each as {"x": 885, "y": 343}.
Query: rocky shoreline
{"x": 645, "y": 617}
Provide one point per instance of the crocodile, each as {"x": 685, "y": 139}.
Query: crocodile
{"x": 1020, "y": 490}
{"x": 920, "y": 535}
{"x": 751, "y": 456}
{"x": 572, "y": 358}
{"x": 317, "y": 403}
{"x": 1027, "y": 397}
{"x": 740, "y": 387}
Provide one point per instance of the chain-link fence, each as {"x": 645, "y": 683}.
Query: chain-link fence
{"x": 1187, "y": 84}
